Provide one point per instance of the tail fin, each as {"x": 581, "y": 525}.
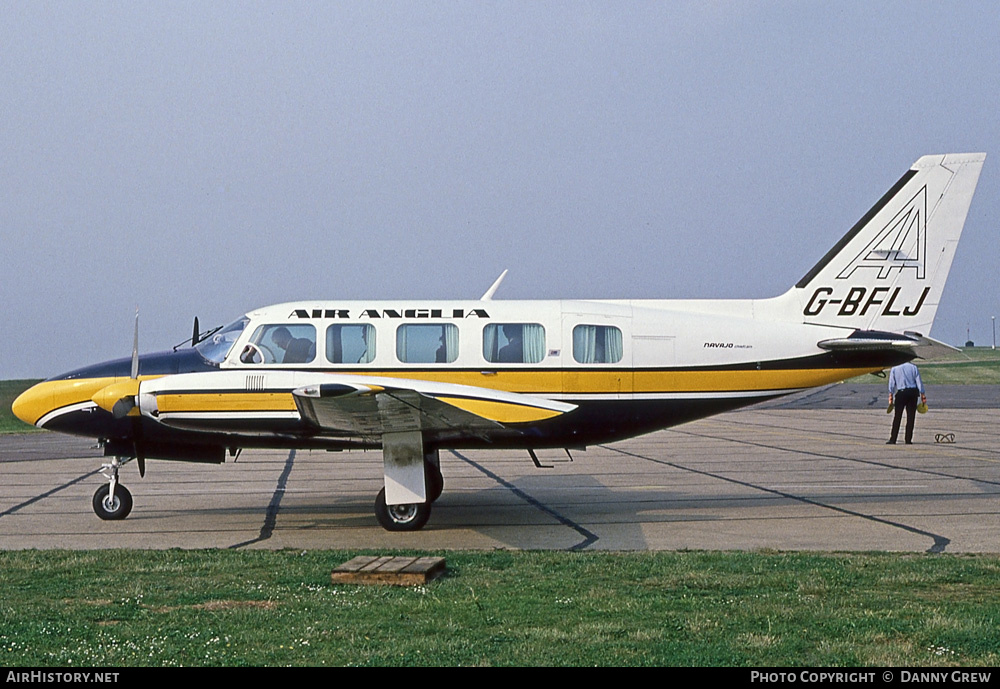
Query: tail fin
{"x": 889, "y": 271}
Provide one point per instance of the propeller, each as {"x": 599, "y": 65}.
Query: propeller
{"x": 121, "y": 398}
{"x": 140, "y": 456}
{"x": 135, "y": 347}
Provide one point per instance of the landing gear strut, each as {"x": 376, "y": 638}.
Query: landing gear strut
{"x": 112, "y": 501}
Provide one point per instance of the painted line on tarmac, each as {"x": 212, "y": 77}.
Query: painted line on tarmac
{"x": 48, "y": 493}
{"x": 856, "y": 460}
{"x": 865, "y": 440}
{"x": 589, "y": 538}
{"x": 940, "y": 542}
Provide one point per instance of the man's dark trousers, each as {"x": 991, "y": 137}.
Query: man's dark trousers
{"x": 906, "y": 398}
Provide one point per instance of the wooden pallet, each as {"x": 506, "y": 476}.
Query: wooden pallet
{"x": 394, "y": 571}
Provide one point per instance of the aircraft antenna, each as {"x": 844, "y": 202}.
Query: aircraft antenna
{"x": 493, "y": 288}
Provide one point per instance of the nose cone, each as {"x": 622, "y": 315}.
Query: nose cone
{"x": 34, "y": 403}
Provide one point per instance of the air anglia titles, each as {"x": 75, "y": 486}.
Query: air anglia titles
{"x": 390, "y": 313}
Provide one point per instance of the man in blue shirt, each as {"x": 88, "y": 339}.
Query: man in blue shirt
{"x": 904, "y": 388}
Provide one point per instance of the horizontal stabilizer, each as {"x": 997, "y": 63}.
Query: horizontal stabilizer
{"x": 929, "y": 348}
{"x": 875, "y": 341}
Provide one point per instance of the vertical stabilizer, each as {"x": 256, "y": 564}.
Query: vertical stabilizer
{"x": 889, "y": 270}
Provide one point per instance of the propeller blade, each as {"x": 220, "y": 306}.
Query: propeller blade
{"x": 194, "y": 335}
{"x": 137, "y": 444}
{"x": 135, "y": 347}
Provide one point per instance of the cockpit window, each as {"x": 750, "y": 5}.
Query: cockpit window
{"x": 281, "y": 344}
{"x": 215, "y": 348}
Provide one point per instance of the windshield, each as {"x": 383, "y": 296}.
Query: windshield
{"x": 216, "y": 347}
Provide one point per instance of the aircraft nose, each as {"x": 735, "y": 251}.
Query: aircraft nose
{"x": 32, "y": 404}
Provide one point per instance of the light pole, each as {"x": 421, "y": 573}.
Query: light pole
{"x": 994, "y": 319}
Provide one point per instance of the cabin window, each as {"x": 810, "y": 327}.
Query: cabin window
{"x": 281, "y": 344}
{"x": 350, "y": 344}
{"x": 514, "y": 343}
{"x": 427, "y": 344}
{"x": 597, "y": 344}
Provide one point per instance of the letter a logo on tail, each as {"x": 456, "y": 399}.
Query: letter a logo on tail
{"x": 902, "y": 243}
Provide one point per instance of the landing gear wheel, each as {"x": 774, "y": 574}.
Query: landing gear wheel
{"x": 114, "y": 507}
{"x": 435, "y": 482}
{"x": 401, "y": 517}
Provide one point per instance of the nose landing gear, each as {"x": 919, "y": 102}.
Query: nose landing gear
{"x": 112, "y": 501}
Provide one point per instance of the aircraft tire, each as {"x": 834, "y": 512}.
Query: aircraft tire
{"x": 113, "y": 509}
{"x": 401, "y": 517}
{"x": 435, "y": 482}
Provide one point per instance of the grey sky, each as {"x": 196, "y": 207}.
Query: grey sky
{"x": 208, "y": 158}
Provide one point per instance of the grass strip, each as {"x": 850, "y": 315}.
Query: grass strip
{"x": 267, "y": 608}
{"x": 9, "y": 390}
{"x": 973, "y": 366}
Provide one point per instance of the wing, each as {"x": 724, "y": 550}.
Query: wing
{"x": 370, "y": 407}
{"x": 292, "y": 403}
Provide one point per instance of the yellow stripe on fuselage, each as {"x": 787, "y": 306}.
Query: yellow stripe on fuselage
{"x": 749, "y": 381}
{"x": 584, "y": 381}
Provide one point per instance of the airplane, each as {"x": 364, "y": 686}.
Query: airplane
{"x": 415, "y": 377}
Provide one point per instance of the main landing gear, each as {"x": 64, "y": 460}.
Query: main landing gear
{"x": 412, "y": 516}
{"x": 112, "y": 501}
